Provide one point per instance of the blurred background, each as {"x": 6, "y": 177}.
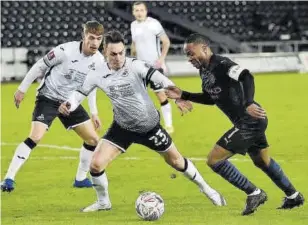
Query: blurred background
{"x": 30, "y": 28}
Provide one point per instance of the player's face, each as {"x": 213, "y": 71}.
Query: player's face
{"x": 197, "y": 54}
{"x": 140, "y": 12}
{"x": 115, "y": 55}
{"x": 91, "y": 43}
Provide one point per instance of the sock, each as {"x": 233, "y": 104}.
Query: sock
{"x": 100, "y": 184}
{"x": 21, "y": 154}
{"x": 167, "y": 113}
{"x": 229, "y": 172}
{"x": 276, "y": 174}
{"x": 191, "y": 172}
{"x": 85, "y": 158}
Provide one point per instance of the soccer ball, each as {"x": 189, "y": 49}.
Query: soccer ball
{"x": 150, "y": 206}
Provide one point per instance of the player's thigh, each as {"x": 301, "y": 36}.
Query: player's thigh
{"x": 45, "y": 111}
{"x": 237, "y": 140}
{"x": 75, "y": 118}
{"x": 87, "y": 133}
{"x": 259, "y": 151}
{"x": 217, "y": 154}
{"x": 104, "y": 153}
{"x": 156, "y": 139}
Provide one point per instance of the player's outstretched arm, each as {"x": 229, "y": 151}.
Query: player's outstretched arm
{"x": 176, "y": 93}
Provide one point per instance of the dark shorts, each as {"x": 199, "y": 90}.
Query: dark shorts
{"x": 156, "y": 139}
{"x": 243, "y": 139}
{"x": 46, "y": 110}
{"x": 156, "y": 87}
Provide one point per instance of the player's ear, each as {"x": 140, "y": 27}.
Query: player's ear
{"x": 204, "y": 49}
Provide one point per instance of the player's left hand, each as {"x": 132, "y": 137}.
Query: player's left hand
{"x": 184, "y": 106}
{"x": 64, "y": 108}
{"x": 96, "y": 121}
{"x": 256, "y": 111}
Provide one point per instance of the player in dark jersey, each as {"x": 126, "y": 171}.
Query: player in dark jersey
{"x": 231, "y": 88}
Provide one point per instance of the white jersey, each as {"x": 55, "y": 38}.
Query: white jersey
{"x": 133, "y": 109}
{"x": 146, "y": 35}
{"x": 68, "y": 68}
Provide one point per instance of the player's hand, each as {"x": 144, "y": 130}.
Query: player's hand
{"x": 173, "y": 92}
{"x": 64, "y": 108}
{"x": 184, "y": 106}
{"x": 18, "y": 97}
{"x": 96, "y": 121}
{"x": 256, "y": 111}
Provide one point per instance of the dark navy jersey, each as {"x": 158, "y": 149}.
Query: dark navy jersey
{"x": 222, "y": 85}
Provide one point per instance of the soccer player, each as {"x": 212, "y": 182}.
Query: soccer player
{"x": 64, "y": 69}
{"x": 136, "y": 120}
{"x": 231, "y": 88}
{"x": 147, "y": 33}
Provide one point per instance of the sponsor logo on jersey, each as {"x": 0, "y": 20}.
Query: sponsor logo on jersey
{"x": 69, "y": 75}
{"x": 74, "y": 61}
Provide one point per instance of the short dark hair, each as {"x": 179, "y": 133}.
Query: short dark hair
{"x": 140, "y": 3}
{"x": 197, "y": 39}
{"x": 113, "y": 37}
{"x": 93, "y": 27}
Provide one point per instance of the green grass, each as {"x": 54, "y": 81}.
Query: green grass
{"x": 44, "y": 193}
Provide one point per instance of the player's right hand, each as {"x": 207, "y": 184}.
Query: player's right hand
{"x": 18, "y": 97}
{"x": 173, "y": 92}
{"x": 184, "y": 106}
{"x": 64, "y": 108}
{"x": 256, "y": 111}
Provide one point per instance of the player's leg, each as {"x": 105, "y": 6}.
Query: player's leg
{"x": 160, "y": 141}
{"x": 43, "y": 115}
{"x": 114, "y": 142}
{"x": 269, "y": 166}
{"x": 166, "y": 110}
{"x": 184, "y": 165}
{"x": 81, "y": 123}
{"x": 88, "y": 134}
{"x": 230, "y": 143}
{"x": 165, "y": 105}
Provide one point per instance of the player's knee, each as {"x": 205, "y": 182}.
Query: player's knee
{"x": 36, "y": 138}
{"x": 95, "y": 166}
{"x": 93, "y": 141}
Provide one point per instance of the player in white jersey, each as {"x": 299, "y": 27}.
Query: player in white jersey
{"x": 136, "y": 119}
{"x": 147, "y": 33}
{"x": 64, "y": 69}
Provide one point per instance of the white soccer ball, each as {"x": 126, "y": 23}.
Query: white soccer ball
{"x": 150, "y": 206}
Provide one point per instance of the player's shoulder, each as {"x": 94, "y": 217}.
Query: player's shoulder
{"x": 152, "y": 20}
{"x": 98, "y": 57}
{"x": 134, "y": 23}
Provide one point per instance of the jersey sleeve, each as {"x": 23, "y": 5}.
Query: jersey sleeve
{"x": 81, "y": 93}
{"x": 55, "y": 56}
{"x": 148, "y": 73}
{"x": 158, "y": 28}
{"x": 233, "y": 70}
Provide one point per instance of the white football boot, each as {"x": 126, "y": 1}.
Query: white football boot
{"x": 215, "y": 197}
{"x": 97, "y": 206}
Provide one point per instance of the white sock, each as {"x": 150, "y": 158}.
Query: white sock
{"x": 193, "y": 174}
{"x": 100, "y": 184}
{"x": 256, "y": 192}
{"x": 293, "y": 196}
{"x": 21, "y": 154}
{"x": 85, "y": 158}
{"x": 167, "y": 114}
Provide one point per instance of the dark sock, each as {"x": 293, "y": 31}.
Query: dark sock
{"x": 230, "y": 173}
{"x": 89, "y": 147}
{"x": 97, "y": 174}
{"x": 30, "y": 143}
{"x": 275, "y": 172}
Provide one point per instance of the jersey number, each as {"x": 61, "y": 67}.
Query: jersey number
{"x": 159, "y": 138}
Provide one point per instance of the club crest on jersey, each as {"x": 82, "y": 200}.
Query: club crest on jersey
{"x": 50, "y": 55}
{"x": 125, "y": 73}
{"x": 92, "y": 66}
{"x": 69, "y": 75}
